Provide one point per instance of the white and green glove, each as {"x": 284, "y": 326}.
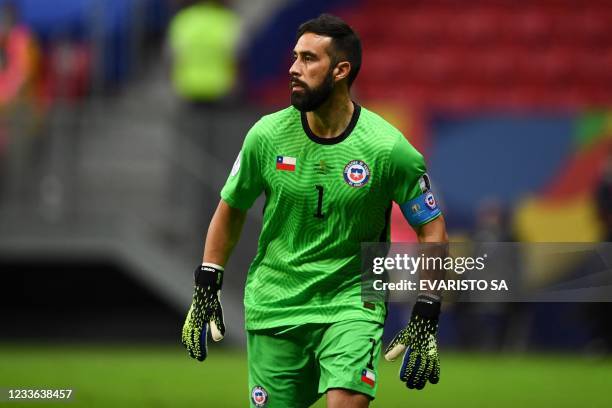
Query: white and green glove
{"x": 419, "y": 341}
{"x": 205, "y": 311}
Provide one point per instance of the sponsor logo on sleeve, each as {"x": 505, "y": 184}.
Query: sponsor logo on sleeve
{"x": 236, "y": 166}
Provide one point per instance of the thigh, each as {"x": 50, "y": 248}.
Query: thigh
{"x": 348, "y": 356}
{"x": 341, "y": 398}
{"x": 283, "y": 371}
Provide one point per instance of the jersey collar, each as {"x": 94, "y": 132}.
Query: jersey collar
{"x": 332, "y": 140}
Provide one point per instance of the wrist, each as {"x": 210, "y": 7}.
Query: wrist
{"x": 213, "y": 265}
{"x": 209, "y": 276}
{"x": 427, "y": 306}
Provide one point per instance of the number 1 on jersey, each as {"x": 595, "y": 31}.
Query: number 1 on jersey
{"x": 319, "y": 213}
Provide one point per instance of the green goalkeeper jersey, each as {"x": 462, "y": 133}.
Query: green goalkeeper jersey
{"x": 324, "y": 197}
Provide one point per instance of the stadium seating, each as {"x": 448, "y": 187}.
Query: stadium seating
{"x": 475, "y": 55}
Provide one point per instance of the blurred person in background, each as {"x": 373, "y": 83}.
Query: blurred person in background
{"x": 19, "y": 66}
{"x": 330, "y": 170}
{"x": 492, "y": 326}
{"x": 603, "y": 197}
{"x": 492, "y": 222}
{"x": 599, "y": 313}
{"x": 18, "y": 55}
{"x": 202, "y": 42}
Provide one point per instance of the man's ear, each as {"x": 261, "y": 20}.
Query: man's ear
{"x": 342, "y": 70}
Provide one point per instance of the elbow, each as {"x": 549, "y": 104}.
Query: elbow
{"x": 433, "y": 232}
{"x": 444, "y": 236}
{"x": 437, "y": 238}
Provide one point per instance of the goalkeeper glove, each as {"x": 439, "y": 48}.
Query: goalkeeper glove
{"x": 419, "y": 340}
{"x": 205, "y": 309}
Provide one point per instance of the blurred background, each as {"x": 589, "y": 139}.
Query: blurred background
{"x": 120, "y": 121}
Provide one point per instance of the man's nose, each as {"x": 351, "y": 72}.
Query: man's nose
{"x": 294, "y": 69}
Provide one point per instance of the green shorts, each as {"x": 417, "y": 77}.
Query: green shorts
{"x": 293, "y": 366}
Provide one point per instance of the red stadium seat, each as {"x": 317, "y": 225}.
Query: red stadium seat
{"x": 591, "y": 27}
{"x": 546, "y": 66}
{"x": 475, "y": 27}
{"x": 492, "y": 53}
{"x": 436, "y": 67}
{"x": 528, "y": 26}
{"x": 492, "y": 66}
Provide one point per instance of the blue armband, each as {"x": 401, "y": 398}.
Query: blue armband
{"x": 421, "y": 209}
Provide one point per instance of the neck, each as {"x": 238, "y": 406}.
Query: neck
{"x": 332, "y": 117}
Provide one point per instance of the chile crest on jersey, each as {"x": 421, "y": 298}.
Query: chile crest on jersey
{"x": 356, "y": 173}
{"x": 259, "y": 396}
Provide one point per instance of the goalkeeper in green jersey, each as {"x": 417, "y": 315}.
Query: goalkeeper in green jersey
{"x": 330, "y": 170}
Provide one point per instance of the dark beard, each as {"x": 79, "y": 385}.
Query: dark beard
{"x": 311, "y": 99}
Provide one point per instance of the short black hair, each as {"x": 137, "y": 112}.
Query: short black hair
{"x": 345, "y": 42}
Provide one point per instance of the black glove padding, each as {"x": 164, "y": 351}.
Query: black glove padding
{"x": 205, "y": 310}
{"x": 419, "y": 341}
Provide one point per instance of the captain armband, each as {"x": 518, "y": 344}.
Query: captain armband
{"x": 423, "y": 208}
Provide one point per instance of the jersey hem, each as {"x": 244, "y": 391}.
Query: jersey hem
{"x": 233, "y": 203}
{"x": 377, "y": 317}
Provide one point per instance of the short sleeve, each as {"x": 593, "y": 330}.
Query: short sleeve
{"x": 245, "y": 182}
{"x": 411, "y": 188}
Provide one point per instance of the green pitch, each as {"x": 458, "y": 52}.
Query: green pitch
{"x": 165, "y": 377}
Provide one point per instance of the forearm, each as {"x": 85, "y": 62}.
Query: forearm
{"x": 435, "y": 238}
{"x": 419, "y": 339}
{"x": 223, "y": 234}
{"x": 206, "y": 311}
